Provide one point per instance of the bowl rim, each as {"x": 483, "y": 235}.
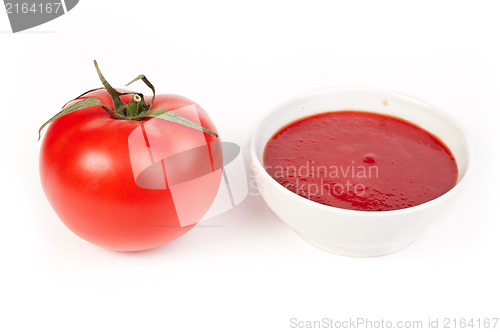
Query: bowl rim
{"x": 256, "y": 165}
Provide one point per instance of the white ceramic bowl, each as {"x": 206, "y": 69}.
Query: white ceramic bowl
{"x": 350, "y": 232}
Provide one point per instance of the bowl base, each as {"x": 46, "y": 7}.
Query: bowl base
{"x": 355, "y": 252}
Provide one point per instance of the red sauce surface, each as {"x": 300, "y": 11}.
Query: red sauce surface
{"x": 360, "y": 161}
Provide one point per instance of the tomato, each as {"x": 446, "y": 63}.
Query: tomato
{"x": 130, "y": 185}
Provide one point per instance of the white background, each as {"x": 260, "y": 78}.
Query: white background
{"x": 246, "y": 270}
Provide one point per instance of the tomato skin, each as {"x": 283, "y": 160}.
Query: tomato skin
{"x": 87, "y": 176}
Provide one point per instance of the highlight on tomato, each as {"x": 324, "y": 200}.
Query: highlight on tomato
{"x": 130, "y": 172}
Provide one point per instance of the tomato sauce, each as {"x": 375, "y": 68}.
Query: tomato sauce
{"x": 360, "y": 161}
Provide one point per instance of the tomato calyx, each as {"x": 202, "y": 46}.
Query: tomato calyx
{"x": 137, "y": 109}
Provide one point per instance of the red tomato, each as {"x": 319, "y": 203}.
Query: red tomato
{"x": 93, "y": 166}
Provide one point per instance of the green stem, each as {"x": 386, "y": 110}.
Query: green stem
{"x": 133, "y": 106}
{"x": 119, "y": 106}
{"x": 137, "y": 109}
